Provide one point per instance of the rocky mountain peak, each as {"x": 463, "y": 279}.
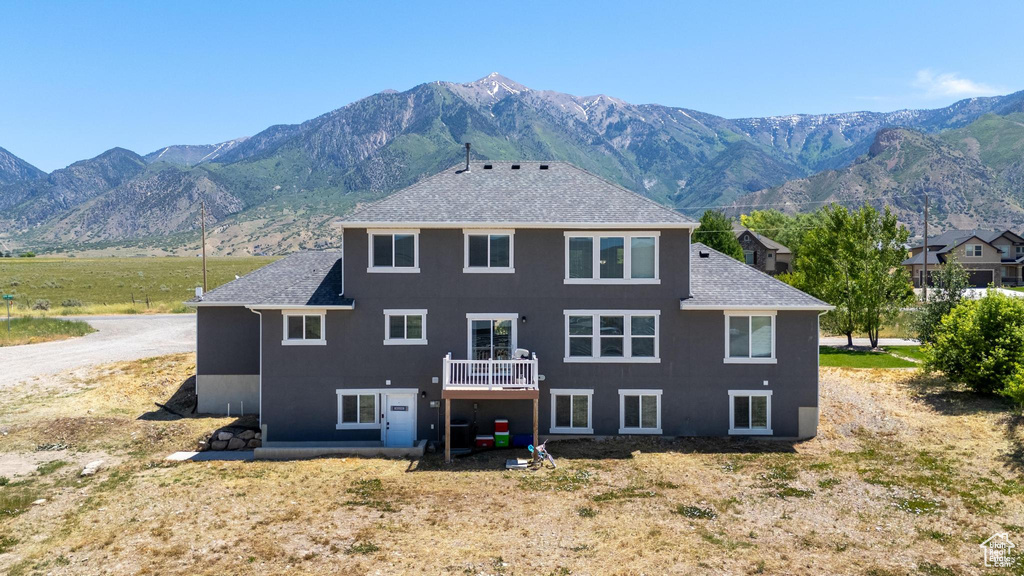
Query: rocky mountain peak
{"x": 489, "y": 89}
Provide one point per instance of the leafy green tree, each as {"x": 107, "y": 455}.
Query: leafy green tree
{"x": 852, "y": 261}
{"x": 883, "y": 286}
{"x": 950, "y": 285}
{"x": 788, "y": 230}
{"x": 716, "y": 232}
{"x": 825, "y": 270}
{"x": 980, "y": 343}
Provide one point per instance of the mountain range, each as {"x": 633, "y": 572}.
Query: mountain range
{"x": 278, "y": 190}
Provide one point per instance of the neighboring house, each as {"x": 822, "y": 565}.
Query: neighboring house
{"x": 762, "y": 252}
{"x": 535, "y": 292}
{"x": 991, "y": 257}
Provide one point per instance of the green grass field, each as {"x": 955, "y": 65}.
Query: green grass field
{"x": 841, "y": 358}
{"x": 113, "y": 285}
{"x": 35, "y": 330}
{"x": 912, "y": 352}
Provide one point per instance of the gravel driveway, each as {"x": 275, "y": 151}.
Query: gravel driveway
{"x": 117, "y": 338}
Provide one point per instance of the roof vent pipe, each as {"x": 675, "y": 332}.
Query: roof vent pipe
{"x": 467, "y": 157}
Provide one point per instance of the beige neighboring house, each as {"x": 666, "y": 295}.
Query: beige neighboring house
{"x": 991, "y": 257}
{"x": 762, "y": 252}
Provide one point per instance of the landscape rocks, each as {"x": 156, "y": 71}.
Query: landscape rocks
{"x": 231, "y": 439}
{"x": 92, "y": 467}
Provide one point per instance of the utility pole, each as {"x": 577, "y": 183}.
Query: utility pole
{"x": 924, "y": 285}
{"x": 203, "y": 211}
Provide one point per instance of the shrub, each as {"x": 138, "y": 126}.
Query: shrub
{"x": 71, "y": 303}
{"x": 41, "y": 304}
{"x": 27, "y": 255}
{"x": 981, "y": 344}
{"x": 950, "y": 286}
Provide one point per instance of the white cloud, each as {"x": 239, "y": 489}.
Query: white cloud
{"x": 949, "y": 84}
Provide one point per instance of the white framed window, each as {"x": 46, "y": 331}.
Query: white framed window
{"x": 405, "y": 327}
{"x": 304, "y": 328}
{"x": 571, "y": 411}
{"x": 491, "y": 336}
{"x": 639, "y": 411}
{"x": 973, "y": 250}
{"x": 358, "y": 409}
{"x": 750, "y": 337}
{"x": 489, "y": 251}
{"x": 393, "y": 251}
{"x": 750, "y": 412}
{"x": 612, "y": 258}
{"x": 612, "y": 336}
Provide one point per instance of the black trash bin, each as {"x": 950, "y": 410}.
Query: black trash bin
{"x": 460, "y": 435}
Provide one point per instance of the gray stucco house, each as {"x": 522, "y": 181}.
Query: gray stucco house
{"x": 534, "y": 292}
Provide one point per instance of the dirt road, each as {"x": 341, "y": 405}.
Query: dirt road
{"x": 117, "y": 338}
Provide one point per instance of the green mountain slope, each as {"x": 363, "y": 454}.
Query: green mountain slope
{"x": 277, "y": 189}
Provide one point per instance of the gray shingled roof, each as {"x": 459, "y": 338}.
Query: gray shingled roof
{"x": 721, "y": 282}
{"x": 918, "y": 258}
{"x": 562, "y": 194}
{"x": 300, "y": 279}
{"x": 738, "y": 230}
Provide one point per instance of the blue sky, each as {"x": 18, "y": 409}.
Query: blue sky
{"x": 80, "y": 78}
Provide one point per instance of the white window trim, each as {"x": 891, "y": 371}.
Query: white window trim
{"x": 389, "y": 341}
{"x": 622, "y": 411}
{"x": 376, "y": 392}
{"x": 589, "y": 393}
{"x": 285, "y": 341}
{"x": 749, "y": 313}
{"x": 485, "y": 316}
{"x": 627, "y": 268}
{"x": 969, "y": 253}
{"x": 393, "y": 269}
{"x": 510, "y": 269}
{"x": 627, "y": 344}
{"x": 732, "y": 413}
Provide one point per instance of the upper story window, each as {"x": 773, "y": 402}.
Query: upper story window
{"x": 750, "y": 338}
{"x": 394, "y": 251}
{"x": 973, "y": 250}
{"x": 489, "y": 251}
{"x": 405, "y": 327}
{"x": 750, "y": 257}
{"x": 1004, "y": 249}
{"x": 611, "y": 336}
{"x": 303, "y": 328}
{"x": 611, "y": 258}
{"x": 1020, "y": 250}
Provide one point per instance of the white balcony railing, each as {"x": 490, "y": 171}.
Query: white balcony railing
{"x": 491, "y": 374}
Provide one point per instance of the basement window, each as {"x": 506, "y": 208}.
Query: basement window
{"x": 358, "y": 409}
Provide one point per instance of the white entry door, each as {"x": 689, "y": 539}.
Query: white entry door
{"x": 399, "y": 419}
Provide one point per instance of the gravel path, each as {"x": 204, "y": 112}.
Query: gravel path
{"x": 118, "y": 338}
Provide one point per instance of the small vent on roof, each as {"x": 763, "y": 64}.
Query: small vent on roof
{"x": 543, "y": 166}
{"x": 515, "y": 166}
{"x": 488, "y": 166}
{"x": 704, "y": 254}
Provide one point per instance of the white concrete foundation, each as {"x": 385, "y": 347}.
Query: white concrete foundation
{"x": 215, "y": 392}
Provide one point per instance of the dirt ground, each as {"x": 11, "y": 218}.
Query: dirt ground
{"x": 905, "y": 477}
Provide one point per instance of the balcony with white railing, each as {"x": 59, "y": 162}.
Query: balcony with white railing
{"x": 496, "y": 375}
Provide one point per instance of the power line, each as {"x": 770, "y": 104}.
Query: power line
{"x": 796, "y": 203}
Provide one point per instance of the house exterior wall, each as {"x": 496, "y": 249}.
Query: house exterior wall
{"x": 227, "y": 359}
{"x": 299, "y": 383}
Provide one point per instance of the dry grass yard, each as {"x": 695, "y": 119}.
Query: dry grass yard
{"x": 904, "y": 478}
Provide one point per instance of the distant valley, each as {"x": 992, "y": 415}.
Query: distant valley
{"x": 278, "y": 190}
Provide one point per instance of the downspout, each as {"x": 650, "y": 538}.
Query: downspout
{"x": 263, "y": 431}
